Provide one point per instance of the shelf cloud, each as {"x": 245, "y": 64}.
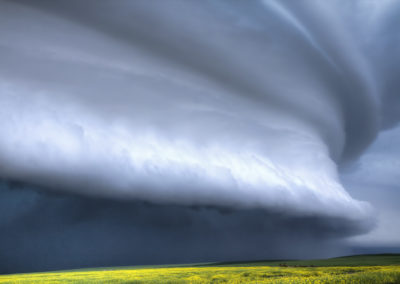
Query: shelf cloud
{"x": 244, "y": 106}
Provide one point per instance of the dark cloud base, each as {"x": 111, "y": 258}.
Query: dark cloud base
{"x": 47, "y": 231}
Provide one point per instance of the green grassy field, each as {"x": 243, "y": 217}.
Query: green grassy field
{"x": 354, "y": 260}
{"x": 353, "y": 269}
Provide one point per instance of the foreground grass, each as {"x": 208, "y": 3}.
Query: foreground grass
{"x": 259, "y": 274}
{"x": 387, "y": 272}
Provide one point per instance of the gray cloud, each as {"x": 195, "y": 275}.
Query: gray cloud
{"x": 67, "y": 231}
{"x": 157, "y": 113}
{"x": 375, "y": 177}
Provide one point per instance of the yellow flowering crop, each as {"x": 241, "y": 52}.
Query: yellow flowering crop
{"x": 256, "y": 274}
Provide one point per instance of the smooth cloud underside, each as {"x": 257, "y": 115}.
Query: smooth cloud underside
{"x": 219, "y": 103}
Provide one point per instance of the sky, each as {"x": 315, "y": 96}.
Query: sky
{"x": 154, "y": 132}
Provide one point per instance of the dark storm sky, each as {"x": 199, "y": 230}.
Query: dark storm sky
{"x": 138, "y": 132}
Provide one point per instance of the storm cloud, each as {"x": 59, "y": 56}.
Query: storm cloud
{"x": 189, "y": 124}
{"x": 47, "y": 231}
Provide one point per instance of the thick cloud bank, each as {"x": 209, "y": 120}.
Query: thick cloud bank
{"x": 44, "y": 231}
{"x": 210, "y": 103}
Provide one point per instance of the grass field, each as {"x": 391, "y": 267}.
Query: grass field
{"x": 355, "y": 269}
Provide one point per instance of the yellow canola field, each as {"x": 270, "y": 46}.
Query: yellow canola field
{"x": 256, "y": 274}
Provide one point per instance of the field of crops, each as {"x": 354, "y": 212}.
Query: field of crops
{"x": 222, "y": 273}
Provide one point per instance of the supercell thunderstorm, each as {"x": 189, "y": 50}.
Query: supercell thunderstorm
{"x": 249, "y": 105}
